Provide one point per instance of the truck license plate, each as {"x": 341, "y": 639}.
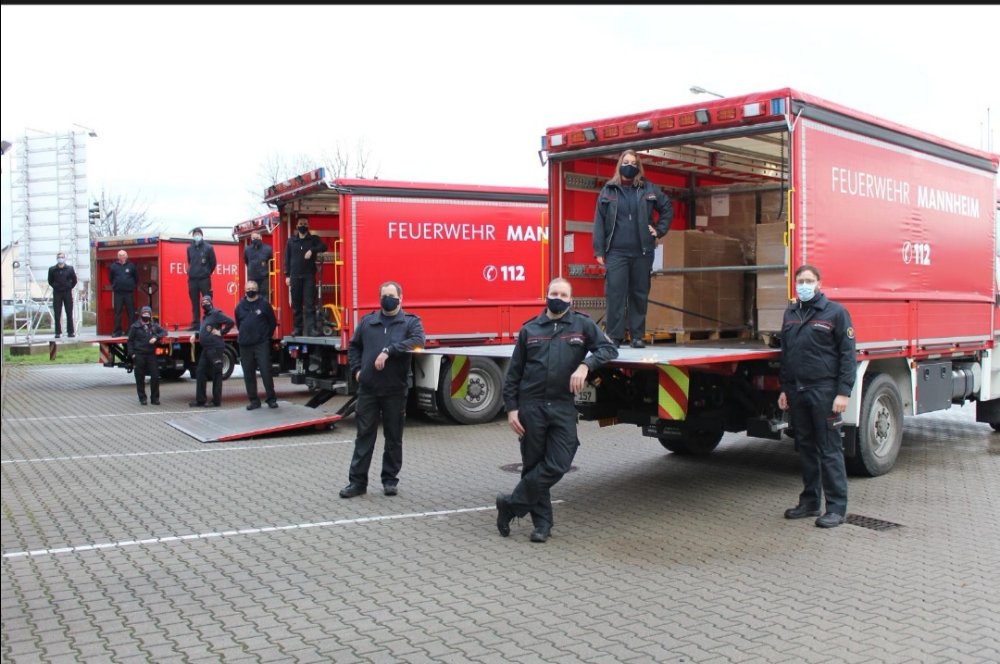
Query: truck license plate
{"x": 587, "y": 395}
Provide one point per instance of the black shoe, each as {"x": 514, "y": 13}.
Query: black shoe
{"x": 116, "y": 333}
{"x": 618, "y": 342}
{"x": 540, "y": 534}
{"x": 389, "y": 489}
{"x": 504, "y": 514}
{"x": 212, "y": 404}
{"x": 297, "y": 332}
{"x": 142, "y": 402}
{"x": 638, "y": 343}
{"x": 193, "y": 327}
{"x": 352, "y": 490}
{"x": 272, "y": 403}
{"x": 196, "y": 404}
{"x": 57, "y": 336}
{"x": 830, "y": 520}
{"x": 253, "y": 405}
{"x": 155, "y": 402}
{"x": 71, "y": 335}
{"x": 800, "y": 512}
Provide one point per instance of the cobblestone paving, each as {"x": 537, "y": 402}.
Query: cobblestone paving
{"x": 124, "y": 540}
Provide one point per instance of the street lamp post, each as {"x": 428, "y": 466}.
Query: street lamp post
{"x": 698, "y": 90}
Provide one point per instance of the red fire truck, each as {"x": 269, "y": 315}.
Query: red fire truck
{"x": 901, "y": 224}
{"x": 471, "y": 259}
{"x": 161, "y": 263}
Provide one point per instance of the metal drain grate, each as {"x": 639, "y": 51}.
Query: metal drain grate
{"x": 516, "y": 468}
{"x": 869, "y": 522}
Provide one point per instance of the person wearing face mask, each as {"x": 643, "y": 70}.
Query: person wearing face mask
{"x": 818, "y": 368}
{"x": 554, "y": 353}
{"x": 214, "y": 326}
{"x": 380, "y": 363}
{"x": 122, "y": 275}
{"x": 62, "y": 279}
{"x": 200, "y": 266}
{"x": 300, "y": 276}
{"x": 257, "y": 258}
{"x": 143, "y": 337}
{"x": 256, "y": 322}
{"x": 624, "y": 234}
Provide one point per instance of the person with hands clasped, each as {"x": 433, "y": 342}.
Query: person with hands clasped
{"x": 143, "y": 337}
{"x": 214, "y": 325}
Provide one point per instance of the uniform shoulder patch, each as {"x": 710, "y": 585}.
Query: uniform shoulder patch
{"x": 850, "y": 333}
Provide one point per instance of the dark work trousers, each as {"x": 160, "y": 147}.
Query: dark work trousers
{"x": 626, "y": 280}
{"x": 303, "y": 303}
{"x": 548, "y": 446}
{"x": 252, "y": 358}
{"x": 142, "y": 366}
{"x": 369, "y": 409}
{"x": 63, "y": 300}
{"x": 209, "y": 366}
{"x": 821, "y": 449}
{"x": 198, "y": 288}
{"x": 124, "y": 299}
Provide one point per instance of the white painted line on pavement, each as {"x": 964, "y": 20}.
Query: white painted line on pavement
{"x": 46, "y": 418}
{"x": 245, "y": 531}
{"x": 217, "y": 447}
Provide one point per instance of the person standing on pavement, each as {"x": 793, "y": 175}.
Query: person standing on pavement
{"x": 62, "y": 279}
{"x": 625, "y": 235}
{"x": 818, "y": 369}
{"x": 143, "y": 336}
{"x": 214, "y": 325}
{"x": 200, "y": 266}
{"x": 122, "y": 276}
{"x": 380, "y": 363}
{"x": 256, "y": 322}
{"x": 301, "y": 253}
{"x": 257, "y": 258}
{"x": 549, "y": 366}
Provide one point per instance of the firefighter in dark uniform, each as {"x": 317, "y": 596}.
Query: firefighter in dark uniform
{"x": 300, "y": 276}
{"x": 143, "y": 336}
{"x": 818, "y": 368}
{"x": 257, "y": 258}
{"x": 380, "y": 362}
{"x": 122, "y": 276}
{"x": 549, "y": 365}
{"x": 62, "y": 279}
{"x": 625, "y": 235}
{"x": 201, "y": 265}
{"x": 214, "y": 325}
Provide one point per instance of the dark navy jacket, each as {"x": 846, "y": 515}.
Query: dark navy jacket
{"x": 296, "y": 264}
{"x": 139, "y": 335}
{"x": 217, "y": 321}
{"x": 255, "y": 320}
{"x": 817, "y": 346}
{"x": 201, "y": 260}
{"x": 122, "y": 276}
{"x": 547, "y": 353}
{"x": 606, "y": 215}
{"x": 398, "y": 334}
{"x": 256, "y": 259}
{"x": 62, "y": 278}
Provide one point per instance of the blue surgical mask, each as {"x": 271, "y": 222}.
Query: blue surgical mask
{"x": 556, "y": 305}
{"x": 197, "y": 238}
{"x": 61, "y": 260}
{"x": 805, "y": 292}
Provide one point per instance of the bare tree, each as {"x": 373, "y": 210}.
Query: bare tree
{"x": 120, "y": 215}
{"x": 345, "y": 164}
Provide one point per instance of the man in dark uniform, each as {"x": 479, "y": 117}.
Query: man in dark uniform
{"x": 201, "y": 265}
{"x": 143, "y": 337}
{"x": 549, "y": 365}
{"x": 256, "y": 322}
{"x": 818, "y": 368}
{"x": 379, "y": 361}
{"x": 122, "y": 275}
{"x": 62, "y": 279}
{"x": 300, "y": 276}
{"x": 257, "y": 258}
{"x": 214, "y": 325}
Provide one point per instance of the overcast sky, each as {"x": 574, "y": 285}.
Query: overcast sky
{"x": 189, "y": 102}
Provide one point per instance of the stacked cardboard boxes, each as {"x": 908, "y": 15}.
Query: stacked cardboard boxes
{"x": 772, "y": 285}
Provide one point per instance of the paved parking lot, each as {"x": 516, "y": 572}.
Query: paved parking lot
{"x": 125, "y": 540}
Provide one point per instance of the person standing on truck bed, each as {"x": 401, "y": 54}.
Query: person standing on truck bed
{"x": 380, "y": 363}
{"x": 256, "y": 322}
{"x": 818, "y": 367}
{"x": 62, "y": 279}
{"x": 625, "y": 235}
{"x": 214, "y": 325}
{"x": 300, "y": 276}
{"x": 549, "y": 365}
{"x": 201, "y": 264}
{"x": 143, "y": 337}
{"x": 257, "y": 258}
{"x": 122, "y": 275}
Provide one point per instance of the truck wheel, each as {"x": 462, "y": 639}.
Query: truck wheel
{"x": 695, "y": 443}
{"x": 880, "y": 432}
{"x": 483, "y": 398}
{"x": 229, "y": 361}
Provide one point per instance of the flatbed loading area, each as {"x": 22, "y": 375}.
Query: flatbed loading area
{"x": 218, "y": 425}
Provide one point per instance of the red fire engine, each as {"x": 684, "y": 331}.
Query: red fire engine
{"x": 161, "y": 263}
{"x": 900, "y": 223}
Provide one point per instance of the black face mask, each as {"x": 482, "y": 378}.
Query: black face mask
{"x": 207, "y": 308}
{"x": 251, "y": 295}
{"x": 303, "y": 230}
{"x": 146, "y": 319}
{"x": 556, "y": 305}
{"x": 256, "y": 243}
{"x": 389, "y": 303}
{"x": 628, "y": 171}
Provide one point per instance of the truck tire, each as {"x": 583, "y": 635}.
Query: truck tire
{"x": 230, "y": 359}
{"x": 484, "y": 397}
{"x": 696, "y": 443}
{"x": 880, "y": 432}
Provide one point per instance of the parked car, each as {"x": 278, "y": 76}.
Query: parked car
{"x": 23, "y": 306}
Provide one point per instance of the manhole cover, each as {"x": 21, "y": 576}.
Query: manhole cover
{"x": 516, "y": 468}
{"x": 869, "y": 522}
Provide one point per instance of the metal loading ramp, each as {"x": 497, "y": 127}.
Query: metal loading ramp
{"x": 218, "y": 425}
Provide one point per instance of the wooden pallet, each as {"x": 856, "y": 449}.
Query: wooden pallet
{"x": 684, "y": 336}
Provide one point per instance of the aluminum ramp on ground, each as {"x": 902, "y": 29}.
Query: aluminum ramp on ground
{"x": 218, "y": 425}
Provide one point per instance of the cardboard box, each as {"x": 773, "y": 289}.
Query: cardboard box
{"x": 769, "y": 320}
{"x": 770, "y": 244}
{"x": 733, "y": 215}
{"x": 772, "y": 289}
{"x": 772, "y": 207}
